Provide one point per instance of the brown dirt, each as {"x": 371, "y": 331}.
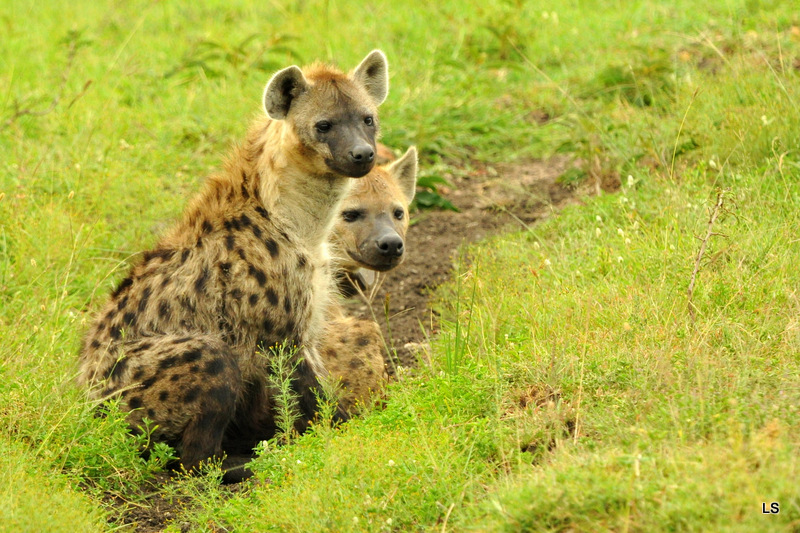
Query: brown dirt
{"x": 491, "y": 199}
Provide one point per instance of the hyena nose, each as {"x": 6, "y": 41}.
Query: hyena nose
{"x": 362, "y": 154}
{"x": 390, "y": 246}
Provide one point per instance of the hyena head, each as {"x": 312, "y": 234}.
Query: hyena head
{"x": 333, "y": 115}
{"x": 374, "y": 217}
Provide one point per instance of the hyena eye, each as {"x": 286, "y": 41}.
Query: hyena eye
{"x": 323, "y": 126}
{"x": 351, "y": 215}
{"x": 399, "y": 214}
{"x": 369, "y": 121}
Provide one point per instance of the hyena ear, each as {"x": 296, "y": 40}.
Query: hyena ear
{"x": 284, "y": 86}
{"x": 404, "y": 172}
{"x": 373, "y": 74}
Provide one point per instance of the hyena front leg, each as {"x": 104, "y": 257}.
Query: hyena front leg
{"x": 352, "y": 350}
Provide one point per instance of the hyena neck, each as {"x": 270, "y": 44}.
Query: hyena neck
{"x": 292, "y": 190}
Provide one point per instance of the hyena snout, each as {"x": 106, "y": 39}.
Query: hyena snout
{"x": 362, "y": 154}
{"x": 390, "y": 246}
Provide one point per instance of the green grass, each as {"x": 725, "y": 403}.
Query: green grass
{"x": 571, "y": 389}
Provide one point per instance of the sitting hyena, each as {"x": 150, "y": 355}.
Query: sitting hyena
{"x": 247, "y": 268}
{"x": 369, "y": 235}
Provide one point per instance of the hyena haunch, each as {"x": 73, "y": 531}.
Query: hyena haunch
{"x": 246, "y": 268}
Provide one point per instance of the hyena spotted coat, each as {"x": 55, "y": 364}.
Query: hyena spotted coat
{"x": 181, "y": 339}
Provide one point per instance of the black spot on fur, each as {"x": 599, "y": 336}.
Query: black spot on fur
{"x": 139, "y": 374}
{"x": 362, "y": 341}
{"x": 145, "y": 297}
{"x": 221, "y": 395}
{"x": 101, "y": 326}
{"x": 356, "y": 363}
{"x": 194, "y": 368}
{"x": 230, "y": 241}
{"x": 168, "y": 362}
{"x": 165, "y": 281}
{"x": 192, "y": 355}
{"x": 272, "y": 297}
{"x": 192, "y": 394}
{"x": 162, "y": 253}
{"x": 263, "y": 212}
{"x": 301, "y": 261}
{"x": 287, "y": 304}
{"x": 257, "y": 273}
{"x": 135, "y": 402}
{"x": 253, "y": 299}
{"x": 175, "y": 377}
{"x": 115, "y": 332}
{"x": 184, "y": 255}
{"x": 182, "y": 340}
{"x": 199, "y": 243}
{"x": 95, "y": 343}
{"x": 142, "y": 347}
{"x": 285, "y": 236}
{"x": 146, "y": 384}
{"x": 256, "y": 231}
{"x": 200, "y": 283}
{"x": 164, "y": 309}
{"x": 122, "y": 303}
{"x": 225, "y": 268}
{"x": 244, "y": 220}
{"x": 206, "y": 227}
{"x": 290, "y": 327}
{"x": 267, "y": 326}
{"x": 245, "y": 193}
{"x": 272, "y": 246}
{"x": 236, "y": 294}
{"x": 215, "y": 366}
{"x": 151, "y": 413}
{"x": 124, "y": 284}
{"x": 163, "y": 395}
{"x": 343, "y": 340}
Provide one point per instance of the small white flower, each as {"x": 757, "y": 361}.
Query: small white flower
{"x": 536, "y": 245}
{"x": 578, "y": 274}
{"x": 355, "y": 520}
{"x": 547, "y": 262}
{"x": 627, "y": 240}
{"x": 599, "y": 218}
{"x": 299, "y": 462}
{"x": 390, "y": 463}
{"x": 672, "y": 247}
{"x": 621, "y": 232}
{"x": 598, "y": 231}
{"x": 766, "y": 121}
{"x": 619, "y": 259}
{"x": 712, "y": 163}
{"x": 631, "y": 181}
{"x": 388, "y": 521}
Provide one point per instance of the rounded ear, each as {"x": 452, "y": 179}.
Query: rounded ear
{"x": 373, "y": 74}
{"x": 404, "y": 172}
{"x": 284, "y": 86}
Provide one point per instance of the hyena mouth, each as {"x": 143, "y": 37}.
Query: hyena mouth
{"x": 351, "y": 170}
{"x": 382, "y": 264}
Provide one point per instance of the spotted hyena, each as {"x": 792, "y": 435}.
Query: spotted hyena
{"x": 183, "y": 339}
{"x": 368, "y": 236}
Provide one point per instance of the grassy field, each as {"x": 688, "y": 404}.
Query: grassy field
{"x": 632, "y": 364}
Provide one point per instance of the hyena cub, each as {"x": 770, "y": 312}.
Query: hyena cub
{"x": 183, "y": 338}
{"x": 369, "y": 236}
